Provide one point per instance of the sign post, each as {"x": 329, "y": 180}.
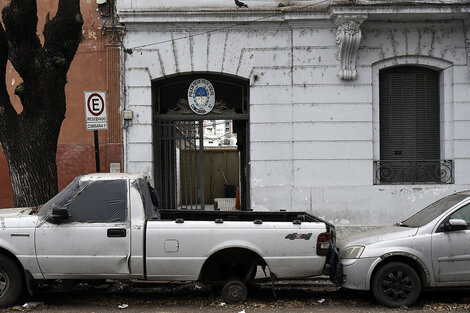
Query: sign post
{"x": 96, "y": 118}
{"x": 97, "y": 152}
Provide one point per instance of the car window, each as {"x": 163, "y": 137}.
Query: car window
{"x": 433, "y": 210}
{"x": 463, "y": 214}
{"x": 101, "y": 201}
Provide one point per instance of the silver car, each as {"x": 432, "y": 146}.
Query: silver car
{"x": 429, "y": 249}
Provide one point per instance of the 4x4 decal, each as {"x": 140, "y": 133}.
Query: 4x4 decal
{"x": 295, "y": 236}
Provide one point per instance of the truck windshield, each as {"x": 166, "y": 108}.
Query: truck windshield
{"x": 60, "y": 199}
{"x": 433, "y": 210}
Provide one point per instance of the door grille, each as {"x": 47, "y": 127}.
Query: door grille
{"x": 179, "y": 160}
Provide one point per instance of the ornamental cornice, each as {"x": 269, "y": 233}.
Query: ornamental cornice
{"x": 217, "y": 16}
{"x": 348, "y": 39}
{"x": 389, "y": 10}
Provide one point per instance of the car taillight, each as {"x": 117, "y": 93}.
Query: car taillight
{"x": 323, "y": 243}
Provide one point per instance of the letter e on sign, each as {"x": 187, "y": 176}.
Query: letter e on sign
{"x": 95, "y": 110}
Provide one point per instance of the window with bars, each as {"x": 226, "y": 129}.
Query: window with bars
{"x": 410, "y": 128}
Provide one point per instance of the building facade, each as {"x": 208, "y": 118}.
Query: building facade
{"x": 355, "y": 111}
{"x": 96, "y": 67}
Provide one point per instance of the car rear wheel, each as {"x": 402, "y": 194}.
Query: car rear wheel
{"x": 11, "y": 281}
{"x": 396, "y": 284}
{"x": 234, "y": 292}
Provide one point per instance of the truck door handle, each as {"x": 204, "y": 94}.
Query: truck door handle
{"x": 116, "y": 232}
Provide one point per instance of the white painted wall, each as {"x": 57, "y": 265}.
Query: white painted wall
{"x": 314, "y": 136}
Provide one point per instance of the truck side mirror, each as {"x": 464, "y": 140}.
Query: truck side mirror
{"x": 456, "y": 224}
{"x": 59, "y": 215}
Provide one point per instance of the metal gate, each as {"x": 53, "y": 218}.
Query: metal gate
{"x": 181, "y": 159}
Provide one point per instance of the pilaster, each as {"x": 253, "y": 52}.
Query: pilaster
{"x": 466, "y": 24}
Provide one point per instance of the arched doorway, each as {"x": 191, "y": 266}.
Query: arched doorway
{"x": 201, "y": 156}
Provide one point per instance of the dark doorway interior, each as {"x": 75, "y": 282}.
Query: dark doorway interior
{"x": 190, "y": 170}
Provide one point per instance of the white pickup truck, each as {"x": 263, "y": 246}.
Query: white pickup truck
{"x": 108, "y": 226}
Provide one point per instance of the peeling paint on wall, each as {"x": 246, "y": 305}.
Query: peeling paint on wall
{"x": 313, "y": 132}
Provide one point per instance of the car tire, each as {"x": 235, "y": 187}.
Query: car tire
{"x": 234, "y": 292}
{"x": 396, "y": 284}
{"x": 11, "y": 281}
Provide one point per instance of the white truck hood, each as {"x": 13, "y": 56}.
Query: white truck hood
{"x": 378, "y": 235}
{"x": 18, "y": 218}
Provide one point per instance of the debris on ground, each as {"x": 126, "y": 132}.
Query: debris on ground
{"x": 30, "y": 305}
{"x": 446, "y": 307}
{"x": 293, "y": 296}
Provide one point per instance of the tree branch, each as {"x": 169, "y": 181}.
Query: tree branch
{"x": 20, "y": 19}
{"x": 8, "y": 116}
{"x": 63, "y": 34}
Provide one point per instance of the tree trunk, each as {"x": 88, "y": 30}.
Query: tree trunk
{"x": 31, "y": 147}
{"x": 29, "y": 139}
{"x": 33, "y": 171}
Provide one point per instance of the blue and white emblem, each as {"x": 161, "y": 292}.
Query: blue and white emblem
{"x": 201, "y": 96}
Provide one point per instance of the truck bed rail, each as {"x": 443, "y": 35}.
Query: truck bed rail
{"x": 191, "y": 215}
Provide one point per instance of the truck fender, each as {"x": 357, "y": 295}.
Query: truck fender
{"x": 25, "y": 256}
{"x": 8, "y": 248}
{"x": 28, "y": 278}
{"x": 227, "y": 246}
{"x": 241, "y": 244}
{"x": 235, "y": 244}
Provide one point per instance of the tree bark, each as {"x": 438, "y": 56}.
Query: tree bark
{"x": 29, "y": 139}
{"x": 33, "y": 170}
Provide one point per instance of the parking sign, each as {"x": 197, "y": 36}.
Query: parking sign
{"x": 95, "y": 110}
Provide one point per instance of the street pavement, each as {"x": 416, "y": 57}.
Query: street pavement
{"x": 293, "y": 296}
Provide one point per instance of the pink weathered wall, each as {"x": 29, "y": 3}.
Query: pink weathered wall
{"x": 95, "y": 68}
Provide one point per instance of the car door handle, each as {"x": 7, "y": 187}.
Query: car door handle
{"x": 116, "y": 232}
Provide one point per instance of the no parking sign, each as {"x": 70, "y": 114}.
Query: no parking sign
{"x": 95, "y": 110}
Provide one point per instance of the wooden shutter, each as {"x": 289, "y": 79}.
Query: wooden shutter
{"x": 409, "y": 118}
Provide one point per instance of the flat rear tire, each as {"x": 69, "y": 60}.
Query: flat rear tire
{"x": 234, "y": 292}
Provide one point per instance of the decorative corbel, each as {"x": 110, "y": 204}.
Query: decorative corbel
{"x": 112, "y": 35}
{"x": 348, "y": 38}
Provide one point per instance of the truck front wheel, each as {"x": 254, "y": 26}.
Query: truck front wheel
{"x": 11, "y": 281}
{"x": 234, "y": 292}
